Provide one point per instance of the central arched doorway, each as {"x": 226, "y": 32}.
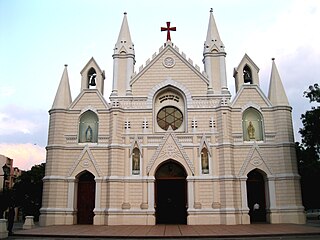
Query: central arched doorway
{"x": 256, "y": 196}
{"x": 171, "y": 193}
{"x": 86, "y": 198}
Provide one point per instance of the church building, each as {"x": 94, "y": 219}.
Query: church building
{"x": 171, "y": 145}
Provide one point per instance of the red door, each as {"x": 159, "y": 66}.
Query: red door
{"x": 86, "y": 198}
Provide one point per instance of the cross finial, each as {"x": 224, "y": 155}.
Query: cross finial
{"x": 168, "y": 29}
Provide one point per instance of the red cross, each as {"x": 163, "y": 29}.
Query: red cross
{"x": 168, "y": 29}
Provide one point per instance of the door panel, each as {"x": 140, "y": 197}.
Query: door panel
{"x": 86, "y": 201}
{"x": 171, "y": 201}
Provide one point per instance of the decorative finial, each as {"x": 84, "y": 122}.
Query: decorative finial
{"x": 272, "y": 59}
{"x": 66, "y": 65}
{"x": 211, "y": 10}
{"x": 125, "y": 13}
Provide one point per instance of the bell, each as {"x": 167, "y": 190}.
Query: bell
{"x": 92, "y": 80}
{"x": 247, "y": 78}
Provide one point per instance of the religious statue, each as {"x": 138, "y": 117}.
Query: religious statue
{"x": 251, "y": 131}
{"x": 204, "y": 161}
{"x": 89, "y": 134}
{"x": 135, "y": 161}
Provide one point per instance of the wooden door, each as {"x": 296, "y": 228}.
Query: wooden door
{"x": 86, "y": 198}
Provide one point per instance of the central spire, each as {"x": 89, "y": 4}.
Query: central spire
{"x": 213, "y": 38}
{"x": 124, "y": 43}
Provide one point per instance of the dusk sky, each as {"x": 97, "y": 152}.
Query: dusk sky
{"x": 38, "y": 37}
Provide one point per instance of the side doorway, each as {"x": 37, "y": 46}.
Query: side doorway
{"x": 171, "y": 194}
{"x": 256, "y": 196}
{"x": 86, "y": 198}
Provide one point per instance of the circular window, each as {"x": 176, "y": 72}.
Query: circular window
{"x": 169, "y": 116}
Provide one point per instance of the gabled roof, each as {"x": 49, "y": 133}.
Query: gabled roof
{"x": 244, "y": 88}
{"x": 246, "y": 58}
{"x": 180, "y": 56}
{"x": 103, "y": 102}
{"x": 94, "y": 63}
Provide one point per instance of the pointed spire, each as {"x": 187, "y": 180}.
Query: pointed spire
{"x": 277, "y": 94}
{"x": 124, "y": 43}
{"x": 213, "y": 37}
{"x": 63, "y": 95}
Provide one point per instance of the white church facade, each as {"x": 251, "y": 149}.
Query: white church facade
{"x": 170, "y": 145}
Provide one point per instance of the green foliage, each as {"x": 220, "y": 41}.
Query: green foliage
{"x": 313, "y": 93}
{"x": 309, "y": 151}
{"x": 28, "y": 191}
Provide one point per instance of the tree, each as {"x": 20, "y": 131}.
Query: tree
{"x": 310, "y": 132}
{"x": 309, "y": 151}
{"x": 28, "y": 191}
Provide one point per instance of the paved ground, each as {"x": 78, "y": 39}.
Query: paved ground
{"x": 252, "y": 231}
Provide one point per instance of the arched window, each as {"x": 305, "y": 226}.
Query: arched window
{"x": 247, "y": 75}
{"x": 252, "y": 125}
{"x": 92, "y": 78}
{"x": 88, "y": 127}
{"x": 169, "y": 110}
{"x": 136, "y": 161}
{"x": 204, "y": 161}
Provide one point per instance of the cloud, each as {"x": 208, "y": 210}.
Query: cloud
{"x": 6, "y": 91}
{"x": 9, "y": 125}
{"x": 24, "y": 155}
{"x": 22, "y": 125}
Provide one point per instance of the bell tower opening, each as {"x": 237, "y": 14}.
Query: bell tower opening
{"x": 171, "y": 193}
{"x": 247, "y": 75}
{"x": 92, "y": 78}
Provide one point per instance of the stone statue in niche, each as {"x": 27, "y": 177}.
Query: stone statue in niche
{"x": 89, "y": 134}
{"x": 135, "y": 162}
{"x": 251, "y": 131}
{"x": 204, "y": 161}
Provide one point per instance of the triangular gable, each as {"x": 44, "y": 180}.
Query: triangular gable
{"x": 246, "y": 59}
{"x": 87, "y": 96}
{"x": 91, "y": 63}
{"x": 242, "y": 96}
{"x": 170, "y": 148}
{"x": 254, "y": 160}
{"x": 85, "y": 161}
{"x": 175, "y": 51}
